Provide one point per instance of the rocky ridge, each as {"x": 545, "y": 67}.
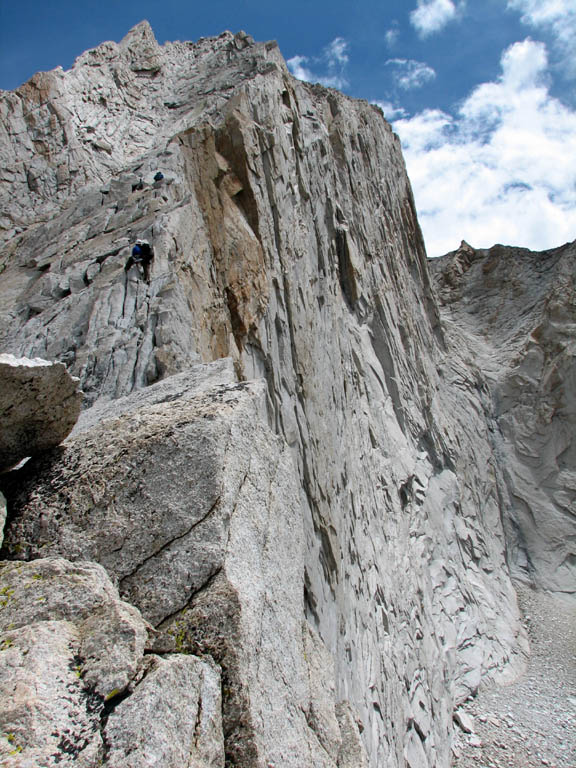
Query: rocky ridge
{"x": 289, "y": 465}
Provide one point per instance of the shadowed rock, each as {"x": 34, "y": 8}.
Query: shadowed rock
{"x": 2, "y": 517}
{"x": 39, "y": 405}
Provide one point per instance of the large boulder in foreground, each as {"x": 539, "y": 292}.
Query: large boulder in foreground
{"x": 39, "y": 405}
{"x": 77, "y": 686}
{"x": 190, "y": 502}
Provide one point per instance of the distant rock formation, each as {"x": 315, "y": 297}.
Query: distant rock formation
{"x": 289, "y": 464}
{"x": 515, "y": 311}
{"x": 39, "y": 405}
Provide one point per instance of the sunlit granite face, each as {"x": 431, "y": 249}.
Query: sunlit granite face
{"x": 322, "y": 512}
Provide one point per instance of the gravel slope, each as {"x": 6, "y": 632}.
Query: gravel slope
{"x": 532, "y": 722}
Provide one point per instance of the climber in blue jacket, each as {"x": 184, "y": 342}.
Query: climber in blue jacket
{"x": 142, "y": 255}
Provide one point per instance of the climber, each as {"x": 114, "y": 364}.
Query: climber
{"x": 158, "y": 176}
{"x": 142, "y": 255}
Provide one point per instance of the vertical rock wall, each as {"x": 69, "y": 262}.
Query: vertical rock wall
{"x": 515, "y": 311}
{"x": 285, "y": 237}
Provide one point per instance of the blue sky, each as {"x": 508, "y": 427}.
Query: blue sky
{"x": 481, "y": 92}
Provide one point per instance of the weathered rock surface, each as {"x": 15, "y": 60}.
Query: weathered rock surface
{"x": 515, "y": 311}
{"x": 2, "y": 517}
{"x": 191, "y": 503}
{"x": 47, "y": 713}
{"x": 326, "y": 523}
{"x": 74, "y": 147}
{"x": 173, "y": 718}
{"x": 70, "y": 651}
{"x": 39, "y": 405}
{"x": 111, "y": 634}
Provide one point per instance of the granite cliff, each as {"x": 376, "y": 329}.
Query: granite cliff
{"x": 515, "y": 311}
{"x": 281, "y": 532}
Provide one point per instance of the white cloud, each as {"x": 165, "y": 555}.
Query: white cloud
{"x": 392, "y": 35}
{"x": 391, "y": 111}
{"x": 336, "y": 53}
{"x": 503, "y": 169}
{"x": 332, "y": 61}
{"x": 296, "y": 66}
{"x": 411, "y": 74}
{"x": 543, "y": 11}
{"x": 433, "y": 15}
{"x": 559, "y": 18}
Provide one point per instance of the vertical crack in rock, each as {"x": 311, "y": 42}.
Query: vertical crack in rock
{"x": 210, "y": 625}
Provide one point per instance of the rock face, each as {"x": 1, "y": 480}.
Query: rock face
{"x": 39, "y": 405}
{"x": 515, "y": 311}
{"x": 2, "y": 517}
{"x": 320, "y": 513}
{"x": 191, "y": 504}
{"x": 71, "y": 651}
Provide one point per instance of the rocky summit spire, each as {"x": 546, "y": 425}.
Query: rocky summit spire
{"x": 275, "y": 537}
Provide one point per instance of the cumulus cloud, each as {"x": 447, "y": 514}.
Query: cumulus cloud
{"x": 328, "y": 69}
{"x": 410, "y": 74}
{"x": 296, "y": 66}
{"x": 433, "y": 15}
{"x": 503, "y": 169}
{"x": 544, "y": 11}
{"x": 558, "y": 17}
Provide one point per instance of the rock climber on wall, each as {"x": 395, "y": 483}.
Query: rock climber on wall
{"x": 142, "y": 255}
